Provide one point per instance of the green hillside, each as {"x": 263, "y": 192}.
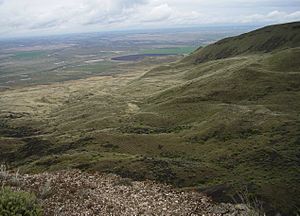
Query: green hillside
{"x": 242, "y": 104}
{"x": 263, "y": 40}
{"x": 224, "y": 119}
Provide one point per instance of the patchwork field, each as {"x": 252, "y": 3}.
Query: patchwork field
{"x": 44, "y": 60}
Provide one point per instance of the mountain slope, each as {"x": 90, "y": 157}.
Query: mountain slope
{"x": 242, "y": 110}
{"x": 262, "y": 40}
{"x": 217, "y": 121}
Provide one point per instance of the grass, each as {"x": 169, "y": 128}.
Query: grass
{"x": 94, "y": 68}
{"x": 171, "y": 50}
{"x": 18, "y": 203}
{"x": 228, "y": 123}
{"x": 25, "y": 55}
{"x": 190, "y": 130}
{"x": 263, "y": 40}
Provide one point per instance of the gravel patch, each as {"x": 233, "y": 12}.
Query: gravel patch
{"x": 68, "y": 193}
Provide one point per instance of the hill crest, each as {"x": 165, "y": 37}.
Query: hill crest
{"x": 263, "y": 40}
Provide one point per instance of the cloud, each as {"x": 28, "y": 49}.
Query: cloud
{"x": 57, "y": 16}
{"x": 158, "y": 13}
{"x": 34, "y": 13}
{"x": 274, "y": 16}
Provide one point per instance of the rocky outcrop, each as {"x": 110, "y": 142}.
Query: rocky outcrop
{"x": 80, "y": 193}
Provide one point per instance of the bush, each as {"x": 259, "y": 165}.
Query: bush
{"x": 18, "y": 203}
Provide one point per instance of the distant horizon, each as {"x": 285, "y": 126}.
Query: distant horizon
{"x": 141, "y": 30}
{"x": 22, "y": 18}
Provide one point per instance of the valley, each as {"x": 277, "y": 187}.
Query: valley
{"x": 220, "y": 120}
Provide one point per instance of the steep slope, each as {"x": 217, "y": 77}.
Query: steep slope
{"x": 262, "y": 40}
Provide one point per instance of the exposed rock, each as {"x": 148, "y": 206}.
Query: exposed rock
{"x": 79, "y": 193}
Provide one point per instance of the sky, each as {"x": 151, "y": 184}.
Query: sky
{"x": 42, "y": 17}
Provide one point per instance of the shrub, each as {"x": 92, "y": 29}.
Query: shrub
{"x": 18, "y": 203}
{"x": 255, "y": 207}
{"x": 3, "y": 172}
{"x": 45, "y": 190}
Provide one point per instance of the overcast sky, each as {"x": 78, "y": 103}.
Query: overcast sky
{"x": 36, "y": 17}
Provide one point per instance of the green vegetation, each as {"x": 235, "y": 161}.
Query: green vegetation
{"x": 171, "y": 50}
{"x": 264, "y": 40}
{"x": 94, "y": 68}
{"x": 215, "y": 125}
{"x": 25, "y": 55}
{"x": 18, "y": 203}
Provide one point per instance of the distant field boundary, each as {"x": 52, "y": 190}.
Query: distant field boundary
{"x": 137, "y": 57}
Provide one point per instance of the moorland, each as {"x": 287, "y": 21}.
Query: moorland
{"x": 219, "y": 120}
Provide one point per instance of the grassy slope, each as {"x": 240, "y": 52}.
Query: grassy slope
{"x": 263, "y": 40}
{"x": 232, "y": 121}
{"x": 244, "y": 114}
